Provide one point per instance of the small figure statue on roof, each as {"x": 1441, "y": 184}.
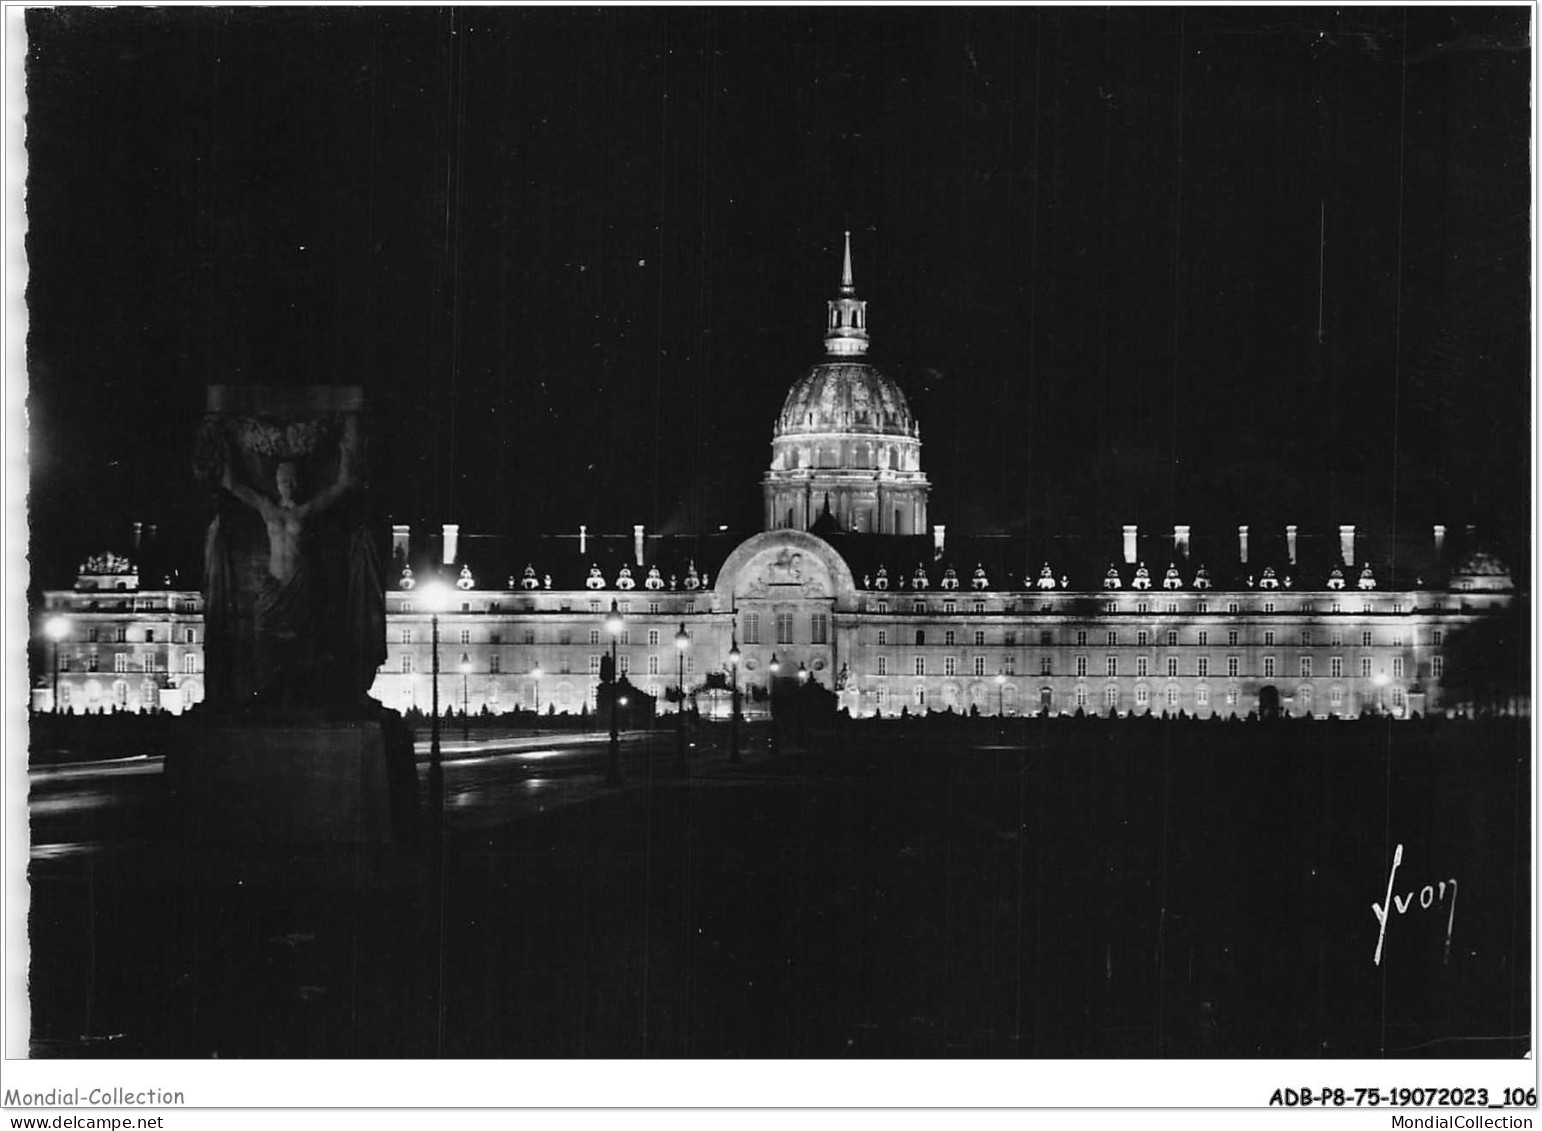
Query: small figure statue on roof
{"x": 1046, "y": 577}
{"x": 546, "y": 581}
{"x": 1111, "y": 578}
{"x": 692, "y": 578}
{"x": 1065, "y": 581}
{"x": 867, "y": 581}
{"x": 1202, "y": 578}
{"x": 653, "y": 582}
{"x": 1288, "y": 581}
{"x": 1366, "y": 580}
{"x": 1336, "y": 578}
{"x": 920, "y": 580}
{"x": 980, "y": 581}
{"x": 882, "y": 580}
{"x": 465, "y": 581}
{"x": 1171, "y": 580}
{"x": 1268, "y": 581}
{"x": 107, "y": 562}
{"x": 1142, "y": 577}
{"x": 624, "y": 581}
{"x": 529, "y": 581}
{"x": 674, "y": 583}
{"x": 706, "y": 581}
{"x": 594, "y": 580}
{"x": 407, "y": 580}
{"x": 949, "y": 579}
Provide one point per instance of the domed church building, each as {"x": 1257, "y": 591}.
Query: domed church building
{"x": 851, "y": 586}
{"x": 846, "y": 442}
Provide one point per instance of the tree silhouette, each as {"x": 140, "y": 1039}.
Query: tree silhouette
{"x": 1488, "y": 663}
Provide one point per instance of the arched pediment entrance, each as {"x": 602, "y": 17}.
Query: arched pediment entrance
{"x": 785, "y": 564}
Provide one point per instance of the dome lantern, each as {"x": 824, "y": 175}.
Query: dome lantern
{"x": 846, "y": 327}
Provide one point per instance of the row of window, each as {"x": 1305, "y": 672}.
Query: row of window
{"x": 655, "y": 665}
{"x": 1143, "y": 667}
{"x": 1144, "y": 638}
{"x": 819, "y": 628}
{"x": 595, "y": 605}
{"x": 118, "y": 634}
{"x": 123, "y": 662}
{"x": 1112, "y": 698}
{"x": 923, "y": 607}
{"x": 90, "y": 696}
{"x": 819, "y": 632}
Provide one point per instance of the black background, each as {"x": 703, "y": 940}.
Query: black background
{"x": 1224, "y": 266}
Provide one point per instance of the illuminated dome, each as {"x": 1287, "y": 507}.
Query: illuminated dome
{"x": 845, "y": 396}
{"x": 846, "y": 444}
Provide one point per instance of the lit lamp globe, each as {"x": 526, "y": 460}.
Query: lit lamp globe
{"x": 435, "y": 595}
{"x": 733, "y": 657}
{"x": 613, "y": 622}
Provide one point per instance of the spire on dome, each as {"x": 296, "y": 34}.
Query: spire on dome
{"x": 846, "y": 324}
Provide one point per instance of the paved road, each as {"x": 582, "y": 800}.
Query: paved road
{"x": 82, "y": 808}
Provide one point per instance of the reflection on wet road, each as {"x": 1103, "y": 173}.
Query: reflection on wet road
{"x": 80, "y": 808}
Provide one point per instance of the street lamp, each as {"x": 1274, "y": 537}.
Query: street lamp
{"x": 682, "y": 642}
{"x": 435, "y": 595}
{"x": 465, "y": 697}
{"x": 776, "y": 668}
{"x": 733, "y": 718}
{"x": 535, "y": 674}
{"x": 57, "y": 628}
{"x": 802, "y": 733}
{"x": 613, "y": 625}
{"x": 1381, "y": 691}
{"x": 1001, "y": 694}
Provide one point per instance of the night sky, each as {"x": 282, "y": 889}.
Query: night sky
{"x": 1140, "y": 265}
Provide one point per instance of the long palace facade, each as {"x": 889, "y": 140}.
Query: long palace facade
{"x": 849, "y": 586}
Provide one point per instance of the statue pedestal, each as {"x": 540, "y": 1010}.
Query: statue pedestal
{"x": 346, "y": 782}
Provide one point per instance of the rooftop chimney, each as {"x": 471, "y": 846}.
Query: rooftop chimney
{"x": 401, "y": 537}
{"x": 451, "y": 542}
{"x": 939, "y": 540}
{"x": 583, "y": 539}
{"x": 1242, "y": 544}
{"x": 637, "y": 543}
{"x": 1347, "y": 544}
{"x": 1181, "y": 542}
{"x": 1290, "y": 543}
{"x": 1129, "y": 544}
{"x": 1440, "y": 539}
{"x": 139, "y": 529}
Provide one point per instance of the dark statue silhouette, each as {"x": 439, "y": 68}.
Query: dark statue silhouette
{"x": 293, "y": 593}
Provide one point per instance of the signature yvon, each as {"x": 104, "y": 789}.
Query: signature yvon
{"x": 1430, "y": 895}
